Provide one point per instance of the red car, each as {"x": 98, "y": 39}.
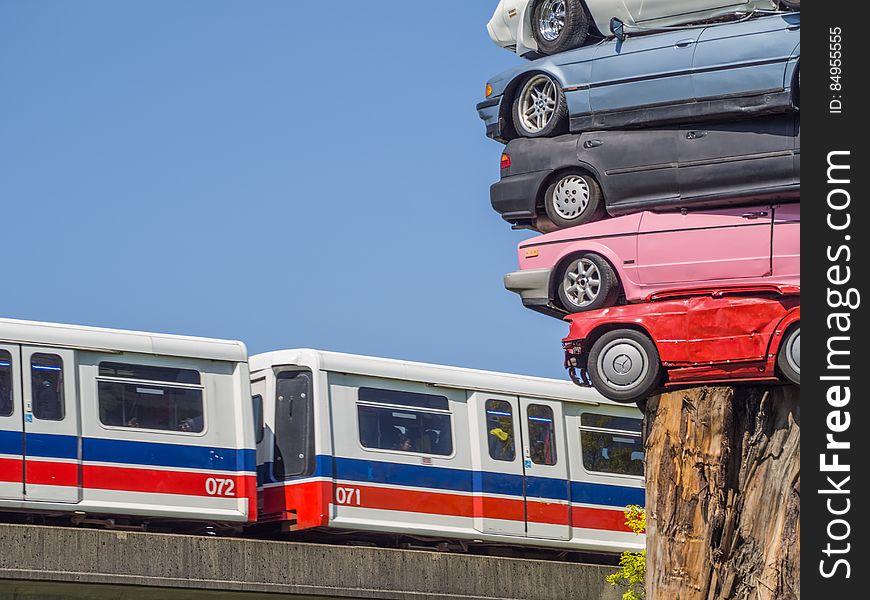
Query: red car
{"x": 687, "y": 337}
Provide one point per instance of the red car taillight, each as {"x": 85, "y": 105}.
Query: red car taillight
{"x": 505, "y": 161}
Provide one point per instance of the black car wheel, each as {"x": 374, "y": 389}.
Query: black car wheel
{"x": 540, "y": 109}
{"x": 586, "y": 283}
{"x": 788, "y": 359}
{"x": 559, "y": 25}
{"x": 573, "y": 199}
{"x": 790, "y": 4}
{"x": 624, "y": 365}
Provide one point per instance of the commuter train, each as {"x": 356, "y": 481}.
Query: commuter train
{"x": 146, "y": 428}
{"x": 377, "y": 445}
{"x": 122, "y": 423}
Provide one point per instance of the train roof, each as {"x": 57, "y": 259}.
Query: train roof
{"x": 119, "y": 340}
{"x": 437, "y": 375}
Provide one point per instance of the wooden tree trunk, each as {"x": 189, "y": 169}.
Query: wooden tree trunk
{"x": 723, "y": 494}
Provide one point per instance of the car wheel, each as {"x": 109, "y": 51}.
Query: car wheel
{"x": 789, "y": 357}
{"x": 540, "y": 109}
{"x": 587, "y": 282}
{"x": 559, "y": 25}
{"x": 790, "y": 4}
{"x": 624, "y": 365}
{"x": 573, "y": 199}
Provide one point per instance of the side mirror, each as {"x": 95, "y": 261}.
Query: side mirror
{"x": 617, "y": 28}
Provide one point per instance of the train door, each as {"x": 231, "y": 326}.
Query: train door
{"x": 52, "y": 434}
{"x": 258, "y": 396}
{"x": 11, "y": 424}
{"x": 548, "y": 507}
{"x": 497, "y": 452}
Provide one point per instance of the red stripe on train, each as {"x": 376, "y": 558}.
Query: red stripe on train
{"x": 124, "y": 479}
{"x": 598, "y": 518}
{"x": 51, "y": 473}
{"x": 306, "y": 503}
{"x": 10, "y": 470}
{"x": 166, "y": 482}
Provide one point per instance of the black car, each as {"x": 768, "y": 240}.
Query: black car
{"x": 552, "y": 183}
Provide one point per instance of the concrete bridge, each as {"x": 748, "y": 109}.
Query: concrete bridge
{"x": 58, "y": 563}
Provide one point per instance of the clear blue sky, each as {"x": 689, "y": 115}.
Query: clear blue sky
{"x": 286, "y": 173}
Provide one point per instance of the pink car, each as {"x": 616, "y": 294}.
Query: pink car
{"x": 627, "y": 259}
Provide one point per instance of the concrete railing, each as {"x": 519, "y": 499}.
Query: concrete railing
{"x": 61, "y": 562}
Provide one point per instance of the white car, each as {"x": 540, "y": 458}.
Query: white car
{"x": 545, "y": 27}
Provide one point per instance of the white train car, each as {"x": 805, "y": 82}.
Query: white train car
{"x": 106, "y": 422}
{"x": 386, "y": 446}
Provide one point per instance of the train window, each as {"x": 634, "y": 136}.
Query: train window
{"x": 405, "y": 430}
{"x": 149, "y": 373}
{"x": 542, "y": 435}
{"x": 401, "y": 398}
{"x": 46, "y": 386}
{"x": 150, "y": 403}
{"x": 500, "y": 430}
{"x": 597, "y": 421}
{"x": 5, "y": 384}
{"x": 259, "y": 427}
{"x": 294, "y": 425}
{"x": 611, "y": 444}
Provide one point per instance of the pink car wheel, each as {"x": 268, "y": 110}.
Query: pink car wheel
{"x": 587, "y": 282}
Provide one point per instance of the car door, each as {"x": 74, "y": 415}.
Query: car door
{"x": 744, "y": 58}
{"x": 736, "y": 157}
{"x": 634, "y": 167}
{"x": 52, "y": 435}
{"x": 647, "y": 10}
{"x": 497, "y": 455}
{"x": 548, "y": 508}
{"x": 11, "y": 424}
{"x": 728, "y": 328}
{"x": 702, "y": 247}
{"x": 787, "y": 242}
{"x": 642, "y": 71}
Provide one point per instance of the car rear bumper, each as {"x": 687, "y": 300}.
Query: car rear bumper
{"x": 514, "y": 197}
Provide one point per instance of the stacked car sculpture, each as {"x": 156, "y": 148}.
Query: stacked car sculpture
{"x": 656, "y": 148}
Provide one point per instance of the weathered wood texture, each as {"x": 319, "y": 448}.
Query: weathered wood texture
{"x": 723, "y": 494}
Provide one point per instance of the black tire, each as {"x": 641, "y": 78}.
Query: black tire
{"x": 567, "y": 194}
{"x": 572, "y": 34}
{"x": 549, "y": 126}
{"x": 597, "y": 286}
{"x": 790, "y": 4}
{"x": 630, "y": 351}
{"x": 788, "y": 359}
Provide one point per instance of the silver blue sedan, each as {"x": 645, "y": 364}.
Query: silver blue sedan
{"x": 716, "y": 71}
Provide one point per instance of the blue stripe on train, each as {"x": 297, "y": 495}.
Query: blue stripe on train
{"x": 45, "y": 445}
{"x": 168, "y": 455}
{"x": 150, "y": 454}
{"x": 461, "y": 480}
{"x": 584, "y": 492}
{"x": 10, "y": 442}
